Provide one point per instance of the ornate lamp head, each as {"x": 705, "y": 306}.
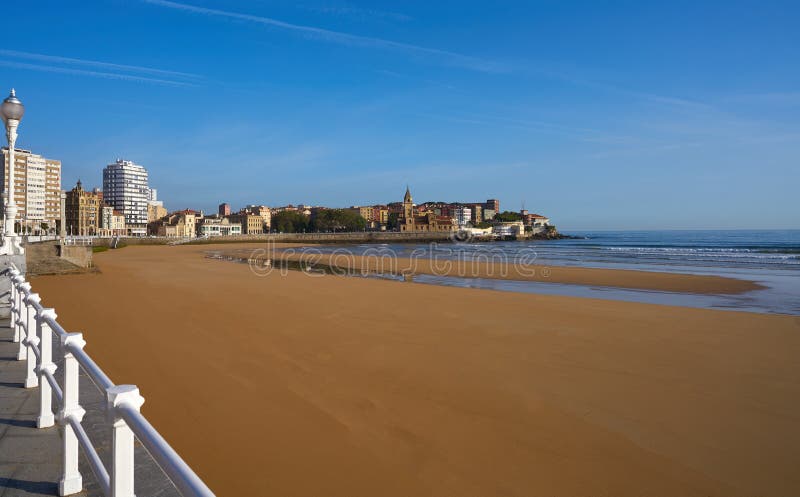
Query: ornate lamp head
{"x": 12, "y": 108}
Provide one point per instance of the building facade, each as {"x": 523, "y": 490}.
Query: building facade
{"x": 251, "y": 223}
{"x": 218, "y": 226}
{"x": 462, "y": 216}
{"x": 264, "y": 212}
{"x": 477, "y": 212}
{"x": 508, "y": 229}
{"x": 534, "y": 220}
{"x": 155, "y": 211}
{"x": 180, "y": 224}
{"x": 37, "y": 190}
{"x": 112, "y": 222}
{"x": 82, "y": 212}
{"x": 125, "y": 189}
{"x": 224, "y": 209}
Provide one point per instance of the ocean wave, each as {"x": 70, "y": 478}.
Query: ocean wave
{"x": 727, "y": 251}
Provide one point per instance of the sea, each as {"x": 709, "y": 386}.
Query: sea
{"x": 768, "y": 257}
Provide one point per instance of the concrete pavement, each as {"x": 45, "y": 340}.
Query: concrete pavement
{"x": 30, "y": 457}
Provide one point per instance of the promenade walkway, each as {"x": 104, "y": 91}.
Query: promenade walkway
{"x": 30, "y": 457}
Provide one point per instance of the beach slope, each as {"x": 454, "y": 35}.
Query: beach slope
{"x": 298, "y": 385}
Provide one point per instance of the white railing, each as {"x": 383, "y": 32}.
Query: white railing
{"x": 40, "y": 238}
{"x": 79, "y": 240}
{"x": 182, "y": 240}
{"x": 33, "y": 327}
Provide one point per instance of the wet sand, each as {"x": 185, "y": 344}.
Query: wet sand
{"x": 303, "y": 385}
{"x": 507, "y": 270}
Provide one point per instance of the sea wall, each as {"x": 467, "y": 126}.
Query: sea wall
{"x": 79, "y": 255}
{"x": 357, "y": 237}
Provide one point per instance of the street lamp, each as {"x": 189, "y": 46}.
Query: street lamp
{"x": 12, "y": 112}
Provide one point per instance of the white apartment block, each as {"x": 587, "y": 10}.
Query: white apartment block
{"x": 125, "y": 189}
{"x": 37, "y": 189}
{"x": 462, "y": 215}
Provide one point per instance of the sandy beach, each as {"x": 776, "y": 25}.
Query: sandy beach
{"x": 298, "y": 385}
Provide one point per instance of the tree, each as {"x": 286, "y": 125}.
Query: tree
{"x": 290, "y": 222}
{"x": 508, "y": 216}
{"x": 337, "y": 220}
{"x": 393, "y": 222}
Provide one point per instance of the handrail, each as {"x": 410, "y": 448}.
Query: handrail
{"x": 187, "y": 482}
{"x": 55, "y": 386}
{"x": 92, "y": 369}
{"x": 34, "y": 326}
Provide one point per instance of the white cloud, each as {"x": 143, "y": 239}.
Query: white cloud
{"x": 444, "y": 56}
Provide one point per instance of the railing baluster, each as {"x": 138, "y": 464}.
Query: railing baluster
{"x": 45, "y": 365}
{"x": 31, "y": 340}
{"x": 71, "y": 481}
{"x": 122, "y": 469}
{"x": 21, "y": 333}
{"x": 15, "y": 281}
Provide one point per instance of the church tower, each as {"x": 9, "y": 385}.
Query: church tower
{"x": 408, "y": 211}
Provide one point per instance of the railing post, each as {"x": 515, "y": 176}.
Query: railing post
{"x": 31, "y": 340}
{"x": 71, "y": 481}
{"x": 22, "y": 290}
{"x": 122, "y": 477}
{"x": 46, "y": 365}
{"x": 15, "y": 280}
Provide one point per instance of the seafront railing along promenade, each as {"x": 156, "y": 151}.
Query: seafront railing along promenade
{"x": 34, "y": 326}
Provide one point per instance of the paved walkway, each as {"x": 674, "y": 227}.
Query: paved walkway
{"x": 30, "y": 458}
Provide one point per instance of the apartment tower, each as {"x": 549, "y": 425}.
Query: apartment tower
{"x": 37, "y": 190}
{"x": 125, "y": 189}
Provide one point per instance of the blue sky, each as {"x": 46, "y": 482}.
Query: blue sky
{"x": 601, "y": 115}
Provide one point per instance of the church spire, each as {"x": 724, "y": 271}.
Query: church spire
{"x": 407, "y": 198}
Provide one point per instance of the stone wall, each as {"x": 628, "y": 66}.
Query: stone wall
{"x": 80, "y": 255}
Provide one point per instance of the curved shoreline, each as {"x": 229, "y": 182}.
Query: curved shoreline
{"x": 614, "y": 278}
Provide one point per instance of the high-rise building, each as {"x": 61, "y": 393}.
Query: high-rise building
{"x": 37, "y": 190}
{"x": 224, "y": 209}
{"x": 125, "y": 189}
{"x": 82, "y": 211}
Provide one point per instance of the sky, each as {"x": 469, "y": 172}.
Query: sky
{"x": 600, "y": 115}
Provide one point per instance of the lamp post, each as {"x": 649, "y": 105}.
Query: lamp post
{"x": 12, "y": 112}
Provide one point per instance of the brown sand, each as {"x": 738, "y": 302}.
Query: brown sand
{"x": 509, "y": 270}
{"x": 310, "y": 386}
